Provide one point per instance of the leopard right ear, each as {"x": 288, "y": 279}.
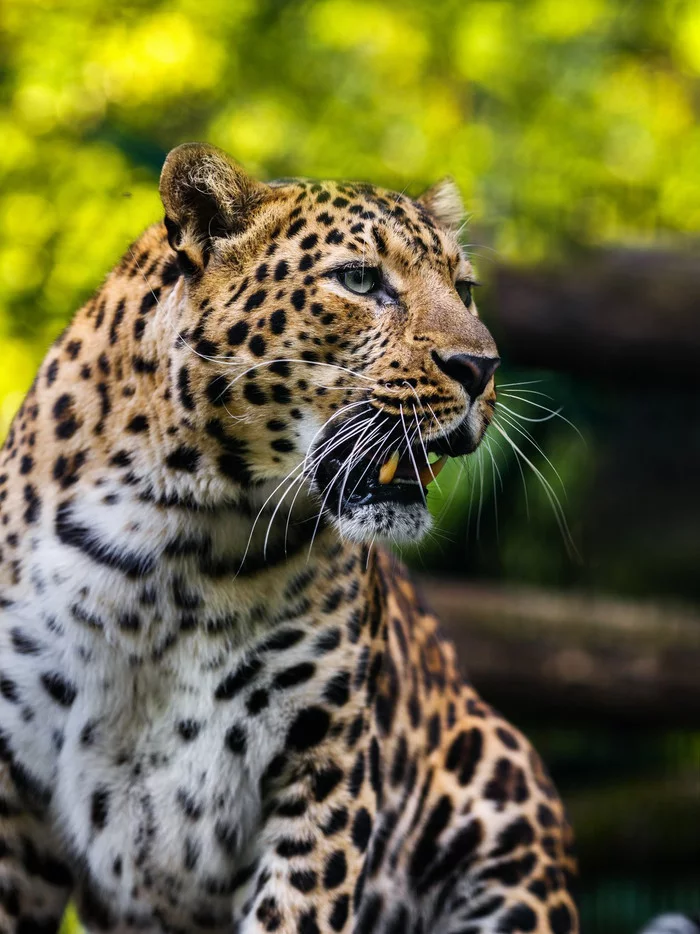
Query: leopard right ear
{"x": 206, "y": 195}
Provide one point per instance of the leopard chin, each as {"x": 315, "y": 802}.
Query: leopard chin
{"x": 391, "y": 522}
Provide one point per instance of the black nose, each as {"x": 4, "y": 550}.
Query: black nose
{"x": 469, "y": 370}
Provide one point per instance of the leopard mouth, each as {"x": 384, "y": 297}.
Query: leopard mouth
{"x": 396, "y": 473}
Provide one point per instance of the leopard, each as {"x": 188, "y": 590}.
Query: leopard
{"x": 224, "y": 706}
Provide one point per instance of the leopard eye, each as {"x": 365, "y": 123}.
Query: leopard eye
{"x": 464, "y": 290}
{"x": 363, "y": 280}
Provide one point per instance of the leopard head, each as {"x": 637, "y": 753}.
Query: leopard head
{"x": 330, "y": 329}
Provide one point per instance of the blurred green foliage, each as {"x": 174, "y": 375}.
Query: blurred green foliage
{"x": 564, "y": 123}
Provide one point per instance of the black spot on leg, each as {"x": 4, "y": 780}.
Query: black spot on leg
{"x": 304, "y": 880}
{"x": 464, "y": 754}
{"x": 325, "y": 781}
{"x": 290, "y": 847}
{"x": 237, "y": 680}
{"x": 560, "y": 920}
{"x": 188, "y": 729}
{"x": 191, "y": 854}
{"x": 518, "y": 918}
{"x": 24, "y": 644}
{"x": 370, "y": 911}
{"x": 58, "y": 688}
{"x": 236, "y": 740}
{"x": 545, "y": 816}
{"x": 308, "y": 729}
{"x": 297, "y": 674}
{"x": 339, "y": 914}
{"x": 9, "y": 689}
{"x": 257, "y": 701}
{"x": 426, "y": 847}
{"x": 227, "y": 838}
{"x": 510, "y": 872}
{"x": 357, "y": 776}
{"x": 268, "y": 914}
{"x": 336, "y": 870}
{"x": 518, "y": 833}
{"x": 191, "y": 808}
{"x": 361, "y": 829}
{"x": 337, "y": 691}
{"x": 99, "y": 808}
{"x": 337, "y": 821}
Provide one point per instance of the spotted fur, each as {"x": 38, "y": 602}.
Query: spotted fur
{"x": 223, "y": 714}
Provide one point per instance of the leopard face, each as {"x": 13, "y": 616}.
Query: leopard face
{"x": 331, "y": 328}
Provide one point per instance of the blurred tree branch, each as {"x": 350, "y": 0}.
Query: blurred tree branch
{"x": 574, "y": 656}
{"x": 615, "y": 313}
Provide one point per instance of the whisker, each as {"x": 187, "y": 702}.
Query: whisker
{"x": 315, "y": 463}
{"x": 411, "y": 455}
{"x": 552, "y": 412}
{"x": 494, "y": 470}
{"x": 557, "y": 509}
{"x": 369, "y": 465}
{"x": 425, "y": 452}
{"x": 351, "y": 459}
{"x": 525, "y": 418}
{"x": 529, "y": 437}
{"x": 522, "y": 382}
{"x": 300, "y": 466}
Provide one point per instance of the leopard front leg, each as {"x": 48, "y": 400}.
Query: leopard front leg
{"x": 309, "y": 874}
{"x": 496, "y": 856}
{"x": 35, "y": 884}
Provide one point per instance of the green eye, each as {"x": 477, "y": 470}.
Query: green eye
{"x": 360, "y": 279}
{"x": 464, "y": 290}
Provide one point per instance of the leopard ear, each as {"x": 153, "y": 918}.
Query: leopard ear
{"x": 444, "y": 202}
{"x": 205, "y": 195}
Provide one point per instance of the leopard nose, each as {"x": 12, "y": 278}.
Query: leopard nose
{"x": 469, "y": 370}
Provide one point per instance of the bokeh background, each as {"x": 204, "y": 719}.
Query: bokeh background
{"x": 572, "y": 129}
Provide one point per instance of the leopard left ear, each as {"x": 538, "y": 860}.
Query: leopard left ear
{"x": 206, "y": 195}
{"x": 444, "y": 202}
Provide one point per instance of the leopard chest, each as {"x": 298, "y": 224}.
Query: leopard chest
{"x": 159, "y": 780}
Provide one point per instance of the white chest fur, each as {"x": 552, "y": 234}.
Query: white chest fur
{"x": 158, "y": 780}
{"x": 155, "y": 705}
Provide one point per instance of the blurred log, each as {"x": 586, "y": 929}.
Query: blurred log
{"x": 573, "y": 657}
{"x": 617, "y": 313}
{"x": 648, "y": 821}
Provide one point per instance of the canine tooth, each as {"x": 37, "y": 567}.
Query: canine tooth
{"x": 429, "y": 473}
{"x": 387, "y": 471}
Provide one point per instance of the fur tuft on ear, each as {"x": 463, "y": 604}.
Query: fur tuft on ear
{"x": 444, "y": 202}
{"x": 205, "y": 195}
